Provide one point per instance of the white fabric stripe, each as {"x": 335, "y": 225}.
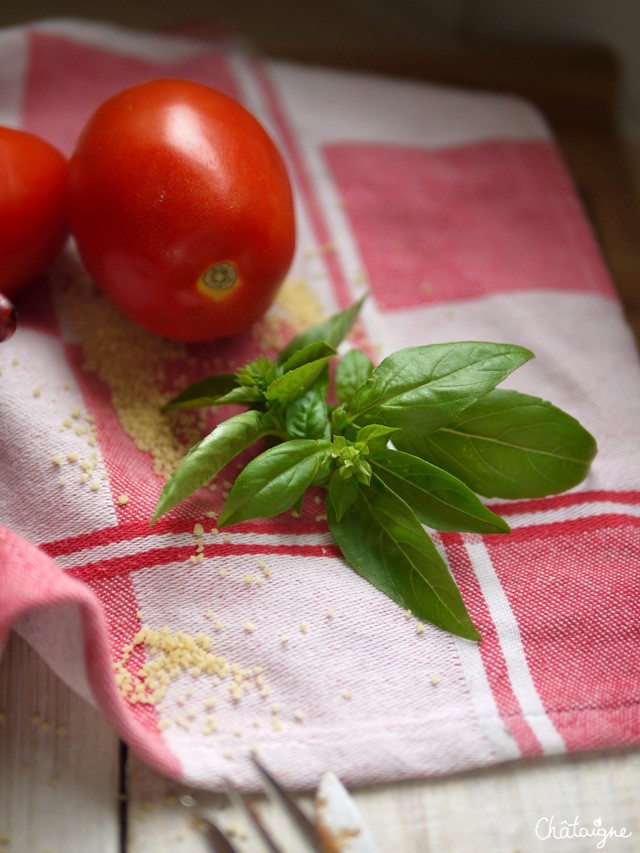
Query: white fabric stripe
{"x": 13, "y": 67}
{"x": 570, "y": 513}
{"x": 377, "y": 110}
{"x": 484, "y": 701}
{"x": 129, "y": 547}
{"x": 513, "y": 650}
{"x": 145, "y": 545}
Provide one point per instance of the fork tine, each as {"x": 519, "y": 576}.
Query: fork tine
{"x": 217, "y": 838}
{"x": 249, "y": 811}
{"x": 299, "y": 818}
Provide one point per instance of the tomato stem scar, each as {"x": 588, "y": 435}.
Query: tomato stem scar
{"x": 220, "y": 276}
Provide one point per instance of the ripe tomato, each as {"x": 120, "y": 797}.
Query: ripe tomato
{"x": 182, "y": 209}
{"x": 33, "y": 223}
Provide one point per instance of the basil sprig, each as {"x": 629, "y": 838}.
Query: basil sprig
{"x": 407, "y": 445}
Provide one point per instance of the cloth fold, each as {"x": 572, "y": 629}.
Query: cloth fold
{"x": 455, "y": 211}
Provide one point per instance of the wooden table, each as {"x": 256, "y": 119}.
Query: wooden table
{"x": 67, "y": 784}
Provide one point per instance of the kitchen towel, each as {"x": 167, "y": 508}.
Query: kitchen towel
{"x": 454, "y": 210}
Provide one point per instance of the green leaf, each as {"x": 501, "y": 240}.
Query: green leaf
{"x": 353, "y": 370}
{"x": 274, "y": 481}
{"x": 438, "y": 499}
{"x": 333, "y": 331}
{"x": 308, "y": 416}
{"x": 423, "y": 388}
{"x": 381, "y": 538}
{"x": 375, "y": 436}
{"x": 342, "y": 493}
{"x": 296, "y": 381}
{"x": 207, "y": 392}
{"x": 209, "y": 456}
{"x": 308, "y": 354}
{"x": 509, "y": 445}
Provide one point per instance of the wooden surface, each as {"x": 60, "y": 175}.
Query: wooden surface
{"x": 67, "y": 784}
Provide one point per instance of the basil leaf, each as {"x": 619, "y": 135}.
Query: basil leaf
{"x": 509, "y": 445}
{"x": 308, "y": 416}
{"x": 341, "y": 493}
{"x": 296, "y": 381}
{"x": 375, "y": 436}
{"x": 214, "y": 391}
{"x": 310, "y": 353}
{"x": 209, "y": 456}
{"x": 423, "y": 388}
{"x": 353, "y": 370}
{"x": 438, "y": 498}
{"x": 384, "y": 542}
{"x": 274, "y": 481}
{"x": 333, "y": 331}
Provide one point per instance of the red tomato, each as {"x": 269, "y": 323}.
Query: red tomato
{"x": 182, "y": 209}
{"x": 33, "y": 224}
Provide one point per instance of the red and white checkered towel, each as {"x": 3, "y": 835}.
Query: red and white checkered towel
{"x": 455, "y": 211}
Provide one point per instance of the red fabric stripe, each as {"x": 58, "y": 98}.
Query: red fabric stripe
{"x": 490, "y": 649}
{"x": 564, "y": 500}
{"x": 305, "y": 525}
{"x": 573, "y": 591}
{"x": 573, "y": 526}
{"x": 125, "y": 532}
{"x": 118, "y": 566}
{"x": 434, "y": 221}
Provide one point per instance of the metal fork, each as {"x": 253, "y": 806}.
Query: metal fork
{"x": 337, "y": 822}
{"x": 220, "y": 841}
